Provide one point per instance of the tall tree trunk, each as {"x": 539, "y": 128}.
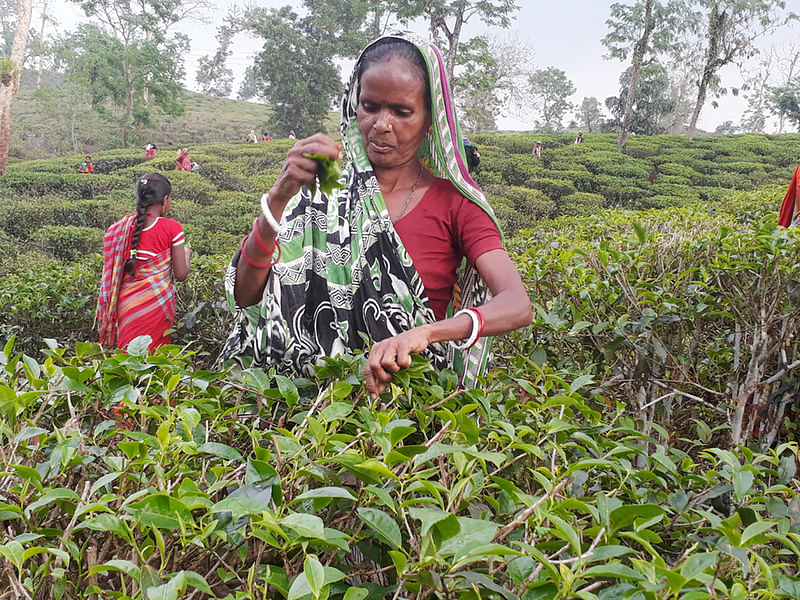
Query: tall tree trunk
{"x": 438, "y": 22}
{"x": 10, "y": 85}
{"x": 376, "y": 23}
{"x": 638, "y": 58}
{"x": 698, "y": 106}
{"x": 452, "y": 52}
{"x": 73, "y": 127}
{"x": 790, "y": 76}
{"x": 41, "y": 46}
{"x": 128, "y": 107}
{"x": 716, "y": 25}
{"x": 145, "y": 91}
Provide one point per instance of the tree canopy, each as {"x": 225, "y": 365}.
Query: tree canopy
{"x": 296, "y": 70}
{"x": 550, "y": 88}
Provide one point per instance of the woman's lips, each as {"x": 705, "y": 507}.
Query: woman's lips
{"x": 380, "y": 146}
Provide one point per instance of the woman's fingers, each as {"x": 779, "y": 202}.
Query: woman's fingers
{"x": 299, "y": 170}
{"x": 389, "y": 356}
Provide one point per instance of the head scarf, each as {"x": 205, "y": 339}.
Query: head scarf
{"x": 344, "y": 274}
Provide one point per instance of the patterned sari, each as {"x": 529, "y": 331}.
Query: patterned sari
{"x": 791, "y": 200}
{"x": 345, "y": 279}
{"x": 129, "y": 307}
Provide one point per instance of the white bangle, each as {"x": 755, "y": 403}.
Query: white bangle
{"x": 268, "y": 214}
{"x": 473, "y": 335}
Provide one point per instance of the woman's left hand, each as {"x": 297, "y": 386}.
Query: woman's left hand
{"x": 390, "y": 355}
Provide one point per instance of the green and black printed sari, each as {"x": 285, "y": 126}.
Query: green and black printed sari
{"x": 344, "y": 279}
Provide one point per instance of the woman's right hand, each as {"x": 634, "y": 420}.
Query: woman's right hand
{"x": 298, "y": 170}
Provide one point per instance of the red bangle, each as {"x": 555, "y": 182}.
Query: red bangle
{"x": 253, "y": 263}
{"x": 259, "y": 242}
{"x": 481, "y": 322}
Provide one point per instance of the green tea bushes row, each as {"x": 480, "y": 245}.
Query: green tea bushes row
{"x": 9, "y": 250}
{"x": 103, "y": 162}
{"x": 22, "y": 216}
{"x": 46, "y": 165}
{"x": 50, "y": 299}
{"x": 69, "y": 242}
{"x": 68, "y": 185}
{"x": 686, "y": 308}
{"x": 215, "y": 243}
{"x": 203, "y": 317}
{"x": 45, "y": 298}
{"x": 143, "y": 477}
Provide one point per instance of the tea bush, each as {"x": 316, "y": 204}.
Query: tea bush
{"x": 552, "y": 188}
{"x": 68, "y": 185}
{"x": 141, "y": 477}
{"x": 52, "y": 300}
{"x": 632, "y": 443}
{"x": 648, "y": 306}
{"x": 580, "y": 203}
{"x": 69, "y": 242}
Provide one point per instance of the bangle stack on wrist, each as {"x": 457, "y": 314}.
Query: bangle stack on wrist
{"x": 261, "y": 246}
{"x": 477, "y": 328}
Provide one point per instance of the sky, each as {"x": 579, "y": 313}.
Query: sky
{"x": 565, "y": 34}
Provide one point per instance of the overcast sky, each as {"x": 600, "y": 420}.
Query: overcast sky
{"x": 565, "y": 34}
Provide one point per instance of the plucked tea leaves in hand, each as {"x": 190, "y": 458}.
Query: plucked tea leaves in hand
{"x": 328, "y": 174}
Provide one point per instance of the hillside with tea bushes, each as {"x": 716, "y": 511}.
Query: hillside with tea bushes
{"x": 638, "y": 441}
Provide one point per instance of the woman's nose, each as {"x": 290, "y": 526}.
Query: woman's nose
{"x": 383, "y": 121}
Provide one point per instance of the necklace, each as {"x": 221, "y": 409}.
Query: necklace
{"x": 410, "y": 195}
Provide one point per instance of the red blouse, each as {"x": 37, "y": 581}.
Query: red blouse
{"x": 162, "y": 234}
{"x": 439, "y": 232}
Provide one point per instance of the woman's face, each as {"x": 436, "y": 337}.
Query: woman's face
{"x": 392, "y": 112}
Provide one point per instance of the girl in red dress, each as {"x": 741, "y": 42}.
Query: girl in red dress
{"x": 144, "y": 253}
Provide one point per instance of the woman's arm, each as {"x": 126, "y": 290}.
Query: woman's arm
{"x": 181, "y": 255}
{"x": 509, "y": 309}
{"x": 296, "y": 172}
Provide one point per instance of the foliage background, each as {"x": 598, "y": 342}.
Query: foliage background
{"x": 635, "y": 442}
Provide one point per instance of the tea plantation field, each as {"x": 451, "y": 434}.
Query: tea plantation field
{"x": 637, "y": 441}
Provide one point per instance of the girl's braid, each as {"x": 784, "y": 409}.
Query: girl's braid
{"x": 151, "y": 189}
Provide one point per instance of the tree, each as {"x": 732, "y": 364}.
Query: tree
{"x": 756, "y": 91}
{"x": 296, "y": 70}
{"x": 493, "y": 75}
{"x": 644, "y": 31}
{"x": 446, "y": 19}
{"x": 130, "y": 58}
{"x": 726, "y": 128}
{"x": 380, "y": 15}
{"x": 118, "y": 71}
{"x": 8, "y": 25}
{"x": 249, "y": 87}
{"x": 787, "y": 103}
{"x": 683, "y": 75}
{"x": 787, "y": 72}
{"x": 730, "y": 29}
{"x": 62, "y": 109}
{"x": 653, "y": 106}
{"x": 551, "y": 88}
{"x": 590, "y": 114}
{"x": 213, "y": 76}
{"x": 10, "y": 71}
{"x": 8, "y": 31}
